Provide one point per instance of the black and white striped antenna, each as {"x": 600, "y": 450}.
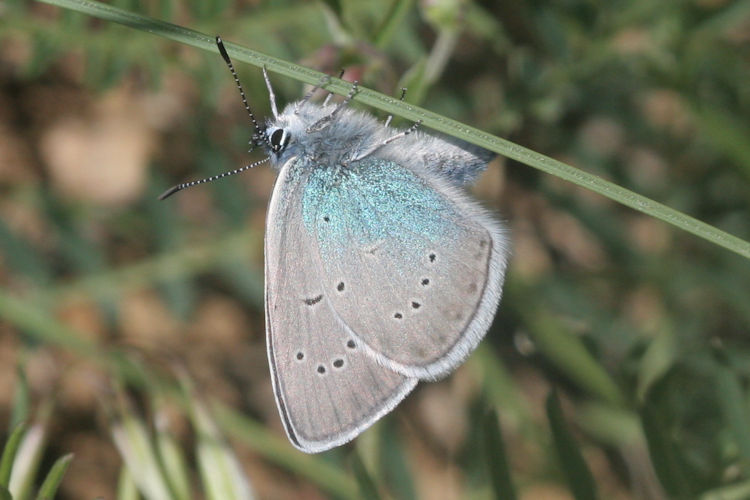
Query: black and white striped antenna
{"x": 256, "y": 135}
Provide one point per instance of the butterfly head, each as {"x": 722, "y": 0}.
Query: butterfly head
{"x": 279, "y": 140}
{"x": 291, "y": 132}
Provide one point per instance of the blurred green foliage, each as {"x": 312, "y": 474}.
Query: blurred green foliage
{"x": 642, "y": 329}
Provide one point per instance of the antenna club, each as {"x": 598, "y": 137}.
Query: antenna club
{"x": 222, "y": 49}
{"x": 169, "y": 192}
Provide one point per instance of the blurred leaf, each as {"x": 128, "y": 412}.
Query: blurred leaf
{"x": 740, "y": 491}
{"x": 615, "y": 427}
{"x": 734, "y": 409}
{"x": 664, "y": 455}
{"x": 55, "y": 476}
{"x": 126, "y": 487}
{"x": 393, "y": 468}
{"x": 393, "y": 18}
{"x": 577, "y": 473}
{"x": 22, "y": 257}
{"x": 502, "y": 392}
{"x": 9, "y": 453}
{"x": 569, "y": 354}
{"x": 657, "y": 360}
{"x": 21, "y": 398}
{"x": 27, "y": 459}
{"x": 170, "y": 265}
{"x": 727, "y": 134}
{"x": 277, "y": 449}
{"x": 221, "y": 472}
{"x": 496, "y": 459}
{"x": 135, "y": 445}
{"x": 246, "y": 282}
{"x": 26, "y": 315}
{"x": 367, "y": 488}
{"x": 334, "y": 5}
{"x": 171, "y": 456}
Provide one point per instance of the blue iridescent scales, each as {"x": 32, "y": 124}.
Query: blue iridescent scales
{"x": 371, "y": 203}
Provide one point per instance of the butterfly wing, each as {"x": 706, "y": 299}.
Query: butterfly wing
{"x": 410, "y": 264}
{"x": 328, "y": 389}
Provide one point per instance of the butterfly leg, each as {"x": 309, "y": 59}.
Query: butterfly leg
{"x": 401, "y": 134}
{"x": 406, "y": 132}
{"x": 324, "y": 80}
{"x": 331, "y": 94}
{"x": 403, "y": 96}
{"x": 326, "y": 120}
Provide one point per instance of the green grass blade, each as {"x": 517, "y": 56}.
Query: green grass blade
{"x": 27, "y": 460}
{"x": 49, "y": 487}
{"x": 429, "y": 119}
{"x": 665, "y": 457}
{"x": 393, "y": 18}
{"x": 170, "y": 454}
{"x": 739, "y": 491}
{"x": 367, "y": 488}
{"x": 573, "y": 465}
{"x": 278, "y": 450}
{"x": 567, "y": 351}
{"x": 126, "y": 488}
{"x": 394, "y": 469}
{"x": 497, "y": 459}
{"x": 9, "y": 453}
{"x": 733, "y": 407}
{"x": 220, "y": 470}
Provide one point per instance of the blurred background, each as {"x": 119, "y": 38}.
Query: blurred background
{"x": 116, "y": 307}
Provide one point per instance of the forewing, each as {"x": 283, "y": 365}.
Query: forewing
{"x": 327, "y": 387}
{"x": 411, "y": 265}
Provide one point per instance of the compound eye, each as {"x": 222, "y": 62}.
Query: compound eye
{"x": 279, "y": 139}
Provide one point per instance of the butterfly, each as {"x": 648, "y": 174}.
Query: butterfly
{"x": 380, "y": 271}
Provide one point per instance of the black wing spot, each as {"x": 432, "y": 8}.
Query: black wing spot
{"x": 432, "y": 257}
{"x": 326, "y": 218}
{"x": 338, "y": 363}
{"x": 398, "y": 315}
{"x": 340, "y": 286}
{"x": 416, "y": 305}
{"x": 300, "y": 356}
{"x": 314, "y": 300}
{"x": 425, "y": 281}
{"x": 321, "y": 369}
{"x": 351, "y": 344}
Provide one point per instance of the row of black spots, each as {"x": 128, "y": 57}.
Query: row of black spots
{"x": 337, "y": 363}
{"x": 414, "y": 305}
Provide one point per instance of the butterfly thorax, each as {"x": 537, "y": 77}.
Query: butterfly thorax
{"x": 321, "y": 135}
